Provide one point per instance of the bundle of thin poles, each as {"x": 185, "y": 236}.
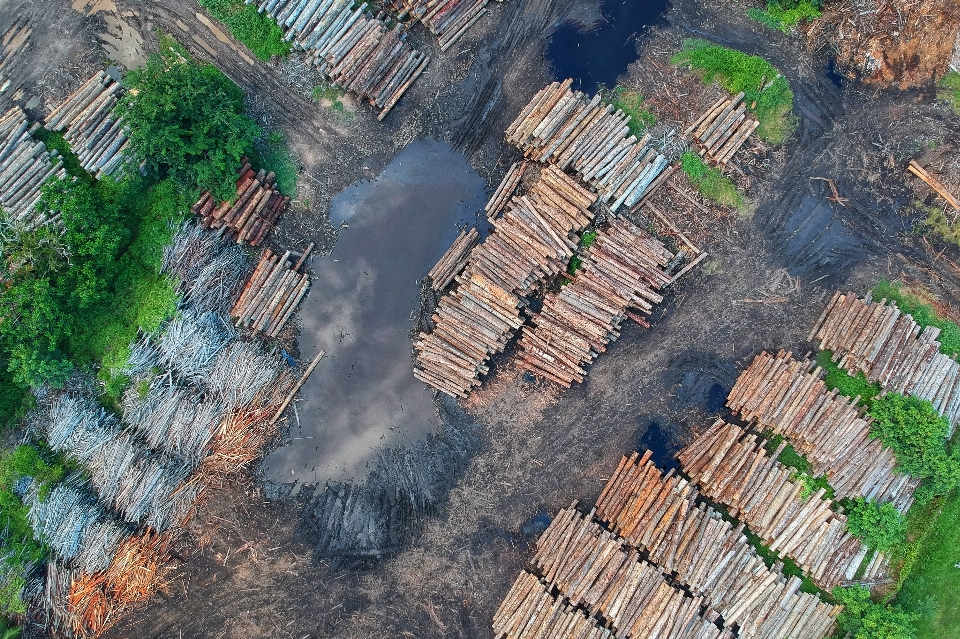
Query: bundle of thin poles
{"x": 207, "y": 268}
{"x": 722, "y": 129}
{"x": 25, "y": 165}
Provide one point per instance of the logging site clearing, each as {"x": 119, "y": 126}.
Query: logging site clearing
{"x": 458, "y": 318}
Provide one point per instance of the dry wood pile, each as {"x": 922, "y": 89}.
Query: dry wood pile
{"x": 447, "y": 19}
{"x": 534, "y": 239}
{"x": 508, "y": 185}
{"x": 623, "y": 269}
{"x": 889, "y": 347}
{"x": 720, "y": 132}
{"x": 454, "y": 260}
{"x": 206, "y": 267}
{"x": 271, "y": 293}
{"x": 593, "y": 569}
{"x": 529, "y": 611}
{"x": 789, "y": 397}
{"x": 660, "y": 514}
{"x": 355, "y": 49}
{"x": 732, "y": 467}
{"x": 254, "y": 213}
{"x": 87, "y": 120}
{"x": 25, "y": 165}
{"x": 565, "y": 128}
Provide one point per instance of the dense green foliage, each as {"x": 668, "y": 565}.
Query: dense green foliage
{"x": 631, "y": 103}
{"x": 922, "y": 313}
{"x": 766, "y": 92}
{"x": 880, "y": 525}
{"x": 7, "y": 631}
{"x": 713, "y": 184}
{"x": 54, "y": 141}
{"x": 186, "y": 122}
{"x": 864, "y": 619}
{"x": 271, "y": 153}
{"x": 261, "y": 33}
{"x": 844, "y": 382}
{"x": 804, "y": 471}
{"x": 588, "y": 238}
{"x": 784, "y": 15}
{"x": 950, "y": 90}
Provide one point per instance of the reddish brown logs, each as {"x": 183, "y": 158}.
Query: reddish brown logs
{"x": 256, "y": 210}
{"x": 271, "y": 294}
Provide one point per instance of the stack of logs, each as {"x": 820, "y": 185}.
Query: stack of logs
{"x": 784, "y": 395}
{"x": 355, "y": 50}
{"x": 565, "y": 128}
{"x": 87, "y": 119}
{"x": 453, "y": 260}
{"x": 720, "y": 132}
{"x": 447, "y": 19}
{"x": 256, "y": 210}
{"x": 533, "y": 240}
{"x": 623, "y": 269}
{"x": 732, "y": 467}
{"x": 505, "y": 190}
{"x": 890, "y": 348}
{"x": 660, "y": 514}
{"x": 272, "y": 293}
{"x": 529, "y": 611}
{"x": 25, "y": 165}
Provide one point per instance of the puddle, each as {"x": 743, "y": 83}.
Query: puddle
{"x": 602, "y": 53}
{"x": 660, "y": 442}
{"x": 833, "y": 75}
{"x": 363, "y": 394}
{"x": 536, "y": 525}
{"x": 716, "y": 398}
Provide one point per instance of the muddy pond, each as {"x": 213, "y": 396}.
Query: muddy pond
{"x": 360, "y": 310}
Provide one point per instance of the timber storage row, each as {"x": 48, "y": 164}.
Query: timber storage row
{"x": 25, "y": 165}
{"x": 271, "y": 294}
{"x": 447, "y": 19}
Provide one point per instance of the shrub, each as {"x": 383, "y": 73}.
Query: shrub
{"x": 847, "y": 384}
{"x": 261, "y": 33}
{"x": 713, "y": 184}
{"x": 784, "y": 15}
{"x": 766, "y": 92}
{"x": 271, "y": 153}
{"x": 923, "y": 314}
{"x": 631, "y": 103}
{"x": 881, "y": 526}
{"x": 950, "y": 90}
{"x": 864, "y": 619}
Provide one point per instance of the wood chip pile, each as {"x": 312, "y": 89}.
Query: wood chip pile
{"x": 789, "y": 397}
{"x": 533, "y": 240}
{"x": 88, "y": 124}
{"x": 354, "y": 49}
{"x": 454, "y": 260}
{"x": 660, "y": 514}
{"x": 623, "y": 269}
{"x": 565, "y": 128}
{"x": 529, "y": 611}
{"x": 25, "y": 165}
{"x": 447, "y": 19}
{"x": 733, "y": 468}
{"x": 889, "y": 347}
{"x": 252, "y": 215}
{"x": 720, "y": 132}
{"x": 271, "y": 293}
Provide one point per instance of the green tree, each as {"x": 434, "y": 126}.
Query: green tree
{"x": 881, "y": 526}
{"x": 864, "y": 619}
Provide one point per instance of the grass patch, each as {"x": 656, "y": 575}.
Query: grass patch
{"x": 766, "y": 92}
{"x": 784, "y": 15}
{"x": 804, "y": 472}
{"x": 844, "y": 382}
{"x": 631, "y": 103}
{"x": 938, "y": 222}
{"x": 923, "y": 314}
{"x": 950, "y": 90}
{"x": 54, "y": 141}
{"x": 713, "y": 184}
{"x": 262, "y": 35}
{"x": 271, "y": 154}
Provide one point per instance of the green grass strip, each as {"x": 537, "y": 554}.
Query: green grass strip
{"x": 713, "y": 184}
{"x": 784, "y": 15}
{"x": 631, "y": 103}
{"x": 262, "y": 35}
{"x": 950, "y": 90}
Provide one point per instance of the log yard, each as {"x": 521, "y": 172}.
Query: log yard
{"x": 459, "y": 319}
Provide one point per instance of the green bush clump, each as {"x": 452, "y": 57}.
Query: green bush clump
{"x": 950, "y": 90}
{"x": 631, "y": 103}
{"x": 881, "y": 526}
{"x": 713, "y": 184}
{"x": 261, "y": 33}
{"x": 922, "y": 313}
{"x": 271, "y": 153}
{"x": 784, "y": 15}
{"x": 847, "y": 384}
{"x": 864, "y": 619}
{"x": 54, "y": 141}
{"x": 766, "y": 92}
{"x": 588, "y": 238}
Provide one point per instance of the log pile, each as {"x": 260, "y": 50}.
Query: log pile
{"x": 533, "y": 240}
{"x": 25, "y": 165}
{"x": 732, "y": 467}
{"x": 529, "y": 611}
{"x": 353, "y": 48}
{"x": 623, "y": 269}
{"x": 720, "y": 132}
{"x": 789, "y": 397}
{"x": 593, "y": 570}
{"x": 890, "y": 348}
{"x": 506, "y": 189}
{"x": 252, "y": 215}
{"x": 271, "y": 293}
{"x": 565, "y": 128}
{"x": 660, "y": 514}
{"x": 447, "y": 19}
{"x": 454, "y": 260}
{"x": 86, "y": 118}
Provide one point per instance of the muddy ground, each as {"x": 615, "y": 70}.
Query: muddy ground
{"x": 246, "y": 568}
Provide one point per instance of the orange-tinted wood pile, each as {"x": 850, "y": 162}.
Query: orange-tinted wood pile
{"x": 272, "y": 293}
{"x": 256, "y": 210}
{"x": 789, "y": 397}
{"x": 720, "y": 132}
{"x": 454, "y": 260}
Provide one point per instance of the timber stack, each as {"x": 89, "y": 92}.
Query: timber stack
{"x": 447, "y": 19}
{"x": 454, "y": 260}
{"x": 354, "y": 49}
{"x": 272, "y": 293}
{"x": 661, "y": 515}
{"x": 890, "y": 348}
{"x": 623, "y": 269}
{"x": 733, "y": 468}
{"x": 88, "y": 124}
{"x": 789, "y": 397}
{"x": 508, "y": 185}
{"x": 565, "y": 128}
{"x": 720, "y": 132}
{"x": 25, "y": 165}
{"x": 252, "y": 215}
{"x": 529, "y": 611}
{"x": 533, "y": 240}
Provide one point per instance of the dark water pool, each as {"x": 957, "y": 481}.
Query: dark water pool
{"x": 363, "y": 394}
{"x": 601, "y": 54}
{"x": 664, "y": 447}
